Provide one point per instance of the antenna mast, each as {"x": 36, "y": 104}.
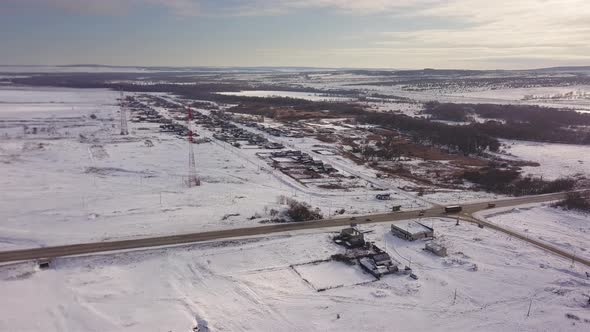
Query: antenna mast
{"x": 193, "y": 179}
{"x": 123, "y": 111}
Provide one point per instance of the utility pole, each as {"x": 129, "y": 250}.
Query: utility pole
{"x": 573, "y": 258}
{"x": 123, "y": 111}
{"x": 530, "y": 304}
{"x": 193, "y": 180}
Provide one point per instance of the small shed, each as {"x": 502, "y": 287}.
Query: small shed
{"x": 44, "y": 263}
{"x": 436, "y": 249}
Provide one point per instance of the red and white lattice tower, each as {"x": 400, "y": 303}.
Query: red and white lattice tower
{"x": 124, "y": 130}
{"x": 193, "y": 179}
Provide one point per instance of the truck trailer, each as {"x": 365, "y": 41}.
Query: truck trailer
{"x": 453, "y": 209}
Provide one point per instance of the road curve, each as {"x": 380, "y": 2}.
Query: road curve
{"x": 99, "y": 247}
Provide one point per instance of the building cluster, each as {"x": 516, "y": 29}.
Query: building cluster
{"x": 142, "y": 113}
{"x": 226, "y": 131}
{"x": 300, "y": 165}
{"x": 371, "y": 258}
{"x": 379, "y": 263}
{"x": 413, "y": 230}
{"x": 278, "y": 132}
{"x": 176, "y": 128}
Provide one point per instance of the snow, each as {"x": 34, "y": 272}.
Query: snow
{"x": 557, "y": 160}
{"x": 413, "y": 227}
{"x": 61, "y": 188}
{"x": 82, "y": 182}
{"x": 286, "y": 94}
{"x": 567, "y": 230}
{"x": 250, "y": 285}
{"x": 469, "y": 94}
{"x": 328, "y": 275}
{"x": 465, "y": 196}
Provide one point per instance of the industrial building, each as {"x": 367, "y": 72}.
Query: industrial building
{"x": 412, "y": 230}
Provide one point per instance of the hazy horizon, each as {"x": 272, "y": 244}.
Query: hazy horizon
{"x": 78, "y": 65}
{"x": 461, "y": 34}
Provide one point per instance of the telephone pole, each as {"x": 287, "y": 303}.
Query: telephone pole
{"x": 123, "y": 111}
{"x": 193, "y": 179}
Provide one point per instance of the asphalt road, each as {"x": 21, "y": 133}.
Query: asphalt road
{"x": 100, "y": 247}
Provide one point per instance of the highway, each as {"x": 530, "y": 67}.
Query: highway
{"x": 106, "y": 246}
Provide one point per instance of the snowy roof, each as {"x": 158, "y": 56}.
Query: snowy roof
{"x": 412, "y": 227}
{"x": 382, "y": 257}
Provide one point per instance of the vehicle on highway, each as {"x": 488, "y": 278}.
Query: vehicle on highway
{"x": 491, "y": 205}
{"x": 421, "y": 213}
{"x": 453, "y": 209}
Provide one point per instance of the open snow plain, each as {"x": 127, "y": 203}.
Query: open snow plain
{"x": 568, "y": 230}
{"x": 556, "y": 160}
{"x": 270, "y": 284}
{"x": 75, "y": 179}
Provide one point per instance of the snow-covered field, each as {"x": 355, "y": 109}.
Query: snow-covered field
{"x": 67, "y": 176}
{"x": 286, "y": 94}
{"x": 557, "y": 160}
{"x": 549, "y": 96}
{"x": 81, "y": 181}
{"x": 465, "y": 196}
{"x": 565, "y": 229}
{"x": 251, "y": 285}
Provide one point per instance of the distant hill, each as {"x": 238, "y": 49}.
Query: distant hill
{"x": 566, "y": 68}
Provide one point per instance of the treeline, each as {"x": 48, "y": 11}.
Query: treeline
{"x": 522, "y": 122}
{"x": 532, "y": 132}
{"x": 510, "y": 182}
{"x": 511, "y": 113}
{"x": 270, "y": 106}
{"x": 463, "y": 139}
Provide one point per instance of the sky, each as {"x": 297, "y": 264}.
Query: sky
{"x": 469, "y": 34}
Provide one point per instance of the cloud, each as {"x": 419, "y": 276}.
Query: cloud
{"x": 458, "y": 31}
{"x": 503, "y": 33}
{"x": 552, "y": 29}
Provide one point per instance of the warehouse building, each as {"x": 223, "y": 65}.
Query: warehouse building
{"x": 412, "y": 230}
